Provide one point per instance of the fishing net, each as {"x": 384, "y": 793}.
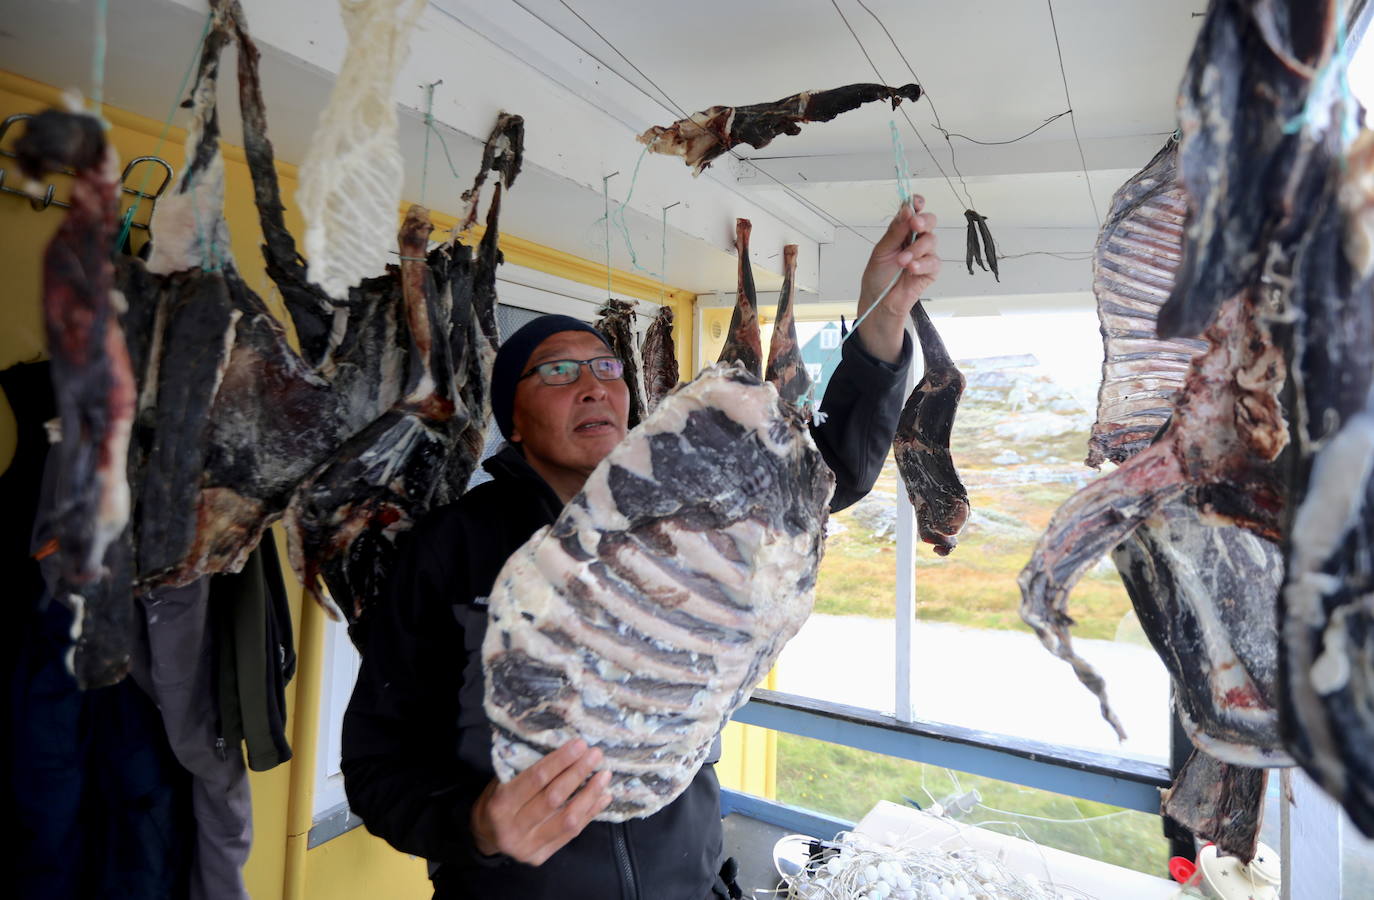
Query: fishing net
{"x": 350, "y": 182}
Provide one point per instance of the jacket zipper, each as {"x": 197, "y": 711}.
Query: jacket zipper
{"x": 622, "y": 856}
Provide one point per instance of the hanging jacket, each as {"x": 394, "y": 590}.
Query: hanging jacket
{"x": 416, "y": 740}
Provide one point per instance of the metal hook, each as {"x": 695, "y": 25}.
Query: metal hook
{"x": 44, "y": 203}
{"x": 156, "y": 160}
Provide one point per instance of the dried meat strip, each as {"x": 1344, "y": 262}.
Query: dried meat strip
{"x": 786, "y": 368}
{"x": 921, "y": 443}
{"x": 703, "y": 136}
{"x": 743, "y": 343}
{"x": 660, "y": 357}
{"x": 617, "y": 323}
{"x": 93, "y": 383}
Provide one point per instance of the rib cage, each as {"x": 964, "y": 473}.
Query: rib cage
{"x": 1134, "y": 264}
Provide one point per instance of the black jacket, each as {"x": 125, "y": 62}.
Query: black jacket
{"x": 416, "y": 741}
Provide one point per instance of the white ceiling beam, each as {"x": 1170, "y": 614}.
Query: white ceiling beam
{"x": 975, "y": 161}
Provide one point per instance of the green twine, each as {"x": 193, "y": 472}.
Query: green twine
{"x": 102, "y": 10}
{"x": 1338, "y": 67}
{"x": 617, "y": 218}
{"x": 903, "y": 176}
{"x": 161, "y": 139}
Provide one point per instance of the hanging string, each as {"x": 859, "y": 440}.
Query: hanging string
{"x": 902, "y": 174}
{"x": 1316, "y": 112}
{"x": 663, "y": 256}
{"x": 1073, "y": 119}
{"x": 128, "y": 219}
{"x": 429, "y": 126}
{"x": 102, "y": 12}
{"x": 606, "y": 198}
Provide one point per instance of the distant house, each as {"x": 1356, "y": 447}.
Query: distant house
{"x": 821, "y": 355}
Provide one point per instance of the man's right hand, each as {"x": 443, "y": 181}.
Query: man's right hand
{"x": 538, "y": 811}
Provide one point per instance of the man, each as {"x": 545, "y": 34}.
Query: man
{"x": 416, "y": 741}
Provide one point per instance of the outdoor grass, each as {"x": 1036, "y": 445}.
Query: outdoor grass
{"x": 845, "y": 782}
{"x": 975, "y": 585}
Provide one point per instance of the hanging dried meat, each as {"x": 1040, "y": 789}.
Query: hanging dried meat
{"x": 786, "y": 369}
{"x": 1134, "y": 264}
{"x": 743, "y": 343}
{"x": 1219, "y": 802}
{"x": 1285, "y": 266}
{"x": 350, "y": 181}
{"x": 921, "y": 444}
{"x": 644, "y": 616}
{"x": 703, "y": 136}
{"x": 660, "y": 358}
{"x": 93, "y": 383}
{"x": 617, "y": 324}
{"x": 344, "y": 519}
{"x": 230, "y": 418}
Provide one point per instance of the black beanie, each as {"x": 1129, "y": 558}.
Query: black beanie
{"x": 515, "y": 354}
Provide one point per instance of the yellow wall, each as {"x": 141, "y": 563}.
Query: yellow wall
{"x": 355, "y": 865}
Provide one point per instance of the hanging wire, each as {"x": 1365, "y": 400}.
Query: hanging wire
{"x": 673, "y": 107}
{"x": 1073, "y": 119}
{"x": 102, "y": 15}
{"x": 429, "y": 127}
{"x": 663, "y": 256}
{"x": 955, "y": 134}
{"x": 606, "y": 196}
{"x": 128, "y": 220}
{"x": 957, "y": 199}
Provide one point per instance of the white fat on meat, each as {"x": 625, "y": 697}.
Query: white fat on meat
{"x": 646, "y": 614}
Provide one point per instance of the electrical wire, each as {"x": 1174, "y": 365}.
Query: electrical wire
{"x": 953, "y": 161}
{"x": 905, "y": 115}
{"x": 954, "y": 134}
{"x": 1073, "y": 119}
{"x": 811, "y": 206}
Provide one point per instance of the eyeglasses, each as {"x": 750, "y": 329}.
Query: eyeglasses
{"x": 566, "y": 371}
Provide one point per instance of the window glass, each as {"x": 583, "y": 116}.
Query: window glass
{"x": 847, "y": 783}
{"x": 1019, "y": 441}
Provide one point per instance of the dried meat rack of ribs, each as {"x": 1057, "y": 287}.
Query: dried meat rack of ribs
{"x": 1134, "y": 264}
{"x": 644, "y": 616}
{"x": 703, "y": 136}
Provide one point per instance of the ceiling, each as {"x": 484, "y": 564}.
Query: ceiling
{"x": 990, "y": 69}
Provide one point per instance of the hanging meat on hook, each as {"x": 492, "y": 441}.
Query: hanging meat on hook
{"x": 921, "y": 444}
{"x": 743, "y": 343}
{"x": 617, "y": 323}
{"x": 1134, "y": 264}
{"x": 786, "y": 368}
{"x": 93, "y": 382}
{"x": 703, "y": 136}
{"x": 980, "y": 246}
{"x": 660, "y": 357}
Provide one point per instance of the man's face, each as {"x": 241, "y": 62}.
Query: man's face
{"x": 569, "y": 427}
